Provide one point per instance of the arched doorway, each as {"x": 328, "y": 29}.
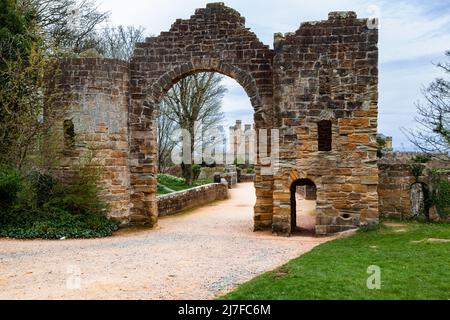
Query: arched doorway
{"x": 200, "y": 114}
{"x": 214, "y": 39}
{"x": 303, "y": 205}
{"x": 419, "y": 199}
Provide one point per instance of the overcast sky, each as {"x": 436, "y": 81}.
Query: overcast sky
{"x": 413, "y": 35}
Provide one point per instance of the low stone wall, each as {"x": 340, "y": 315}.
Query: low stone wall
{"x": 208, "y": 173}
{"x": 173, "y": 203}
{"x": 397, "y": 184}
{"x": 246, "y": 178}
{"x": 394, "y": 189}
{"x": 231, "y": 178}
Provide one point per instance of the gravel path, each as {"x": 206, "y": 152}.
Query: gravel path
{"x": 197, "y": 255}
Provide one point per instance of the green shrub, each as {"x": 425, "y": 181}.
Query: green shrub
{"x": 57, "y": 224}
{"x": 418, "y": 163}
{"x": 44, "y": 185}
{"x": 10, "y": 186}
{"x": 417, "y": 170}
{"x": 38, "y": 205}
{"x": 196, "y": 169}
{"x": 440, "y": 195}
{"x": 381, "y": 144}
{"x": 421, "y": 158}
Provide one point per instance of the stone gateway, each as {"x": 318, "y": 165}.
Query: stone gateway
{"x": 318, "y": 87}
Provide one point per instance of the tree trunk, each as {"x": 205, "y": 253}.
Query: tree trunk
{"x": 188, "y": 173}
{"x": 187, "y": 169}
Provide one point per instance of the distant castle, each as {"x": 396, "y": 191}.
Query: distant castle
{"x": 242, "y": 143}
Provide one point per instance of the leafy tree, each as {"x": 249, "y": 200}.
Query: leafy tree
{"x": 17, "y": 33}
{"x": 27, "y": 107}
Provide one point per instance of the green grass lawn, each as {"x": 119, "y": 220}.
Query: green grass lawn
{"x": 338, "y": 269}
{"x": 168, "y": 184}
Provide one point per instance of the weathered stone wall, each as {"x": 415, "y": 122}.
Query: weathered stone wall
{"x": 207, "y": 173}
{"x": 183, "y": 200}
{"x": 397, "y": 180}
{"x": 328, "y": 70}
{"x": 99, "y": 113}
{"x": 307, "y": 192}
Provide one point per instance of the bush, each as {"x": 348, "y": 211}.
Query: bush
{"x": 10, "y": 186}
{"x": 440, "y": 195}
{"x": 57, "y": 224}
{"x": 40, "y": 206}
{"x": 44, "y": 185}
{"x": 417, "y": 170}
{"x": 196, "y": 169}
{"x": 421, "y": 158}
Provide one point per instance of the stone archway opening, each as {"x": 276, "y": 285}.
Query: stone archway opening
{"x": 303, "y": 205}
{"x": 418, "y": 199}
{"x": 216, "y": 146}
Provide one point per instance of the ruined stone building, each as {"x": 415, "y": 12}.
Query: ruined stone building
{"x": 316, "y": 90}
{"x": 242, "y": 144}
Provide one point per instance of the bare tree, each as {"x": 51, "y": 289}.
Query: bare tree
{"x": 165, "y": 143}
{"x": 433, "y": 133}
{"x": 69, "y": 25}
{"x": 118, "y": 42}
{"x": 196, "y": 98}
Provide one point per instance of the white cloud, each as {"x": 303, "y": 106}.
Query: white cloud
{"x": 411, "y": 31}
{"x": 236, "y": 104}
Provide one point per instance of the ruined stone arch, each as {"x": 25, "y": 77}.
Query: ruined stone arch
{"x": 157, "y": 91}
{"x": 214, "y": 39}
{"x": 291, "y": 88}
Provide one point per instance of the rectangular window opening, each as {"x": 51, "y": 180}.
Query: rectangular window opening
{"x": 324, "y": 135}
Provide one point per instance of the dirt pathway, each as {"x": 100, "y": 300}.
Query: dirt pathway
{"x": 197, "y": 255}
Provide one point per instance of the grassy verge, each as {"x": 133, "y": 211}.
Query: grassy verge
{"x": 414, "y": 260}
{"x": 168, "y": 184}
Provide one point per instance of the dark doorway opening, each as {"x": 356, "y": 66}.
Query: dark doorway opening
{"x": 303, "y": 205}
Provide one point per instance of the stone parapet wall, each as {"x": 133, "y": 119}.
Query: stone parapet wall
{"x": 246, "y": 178}
{"x": 183, "y": 200}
